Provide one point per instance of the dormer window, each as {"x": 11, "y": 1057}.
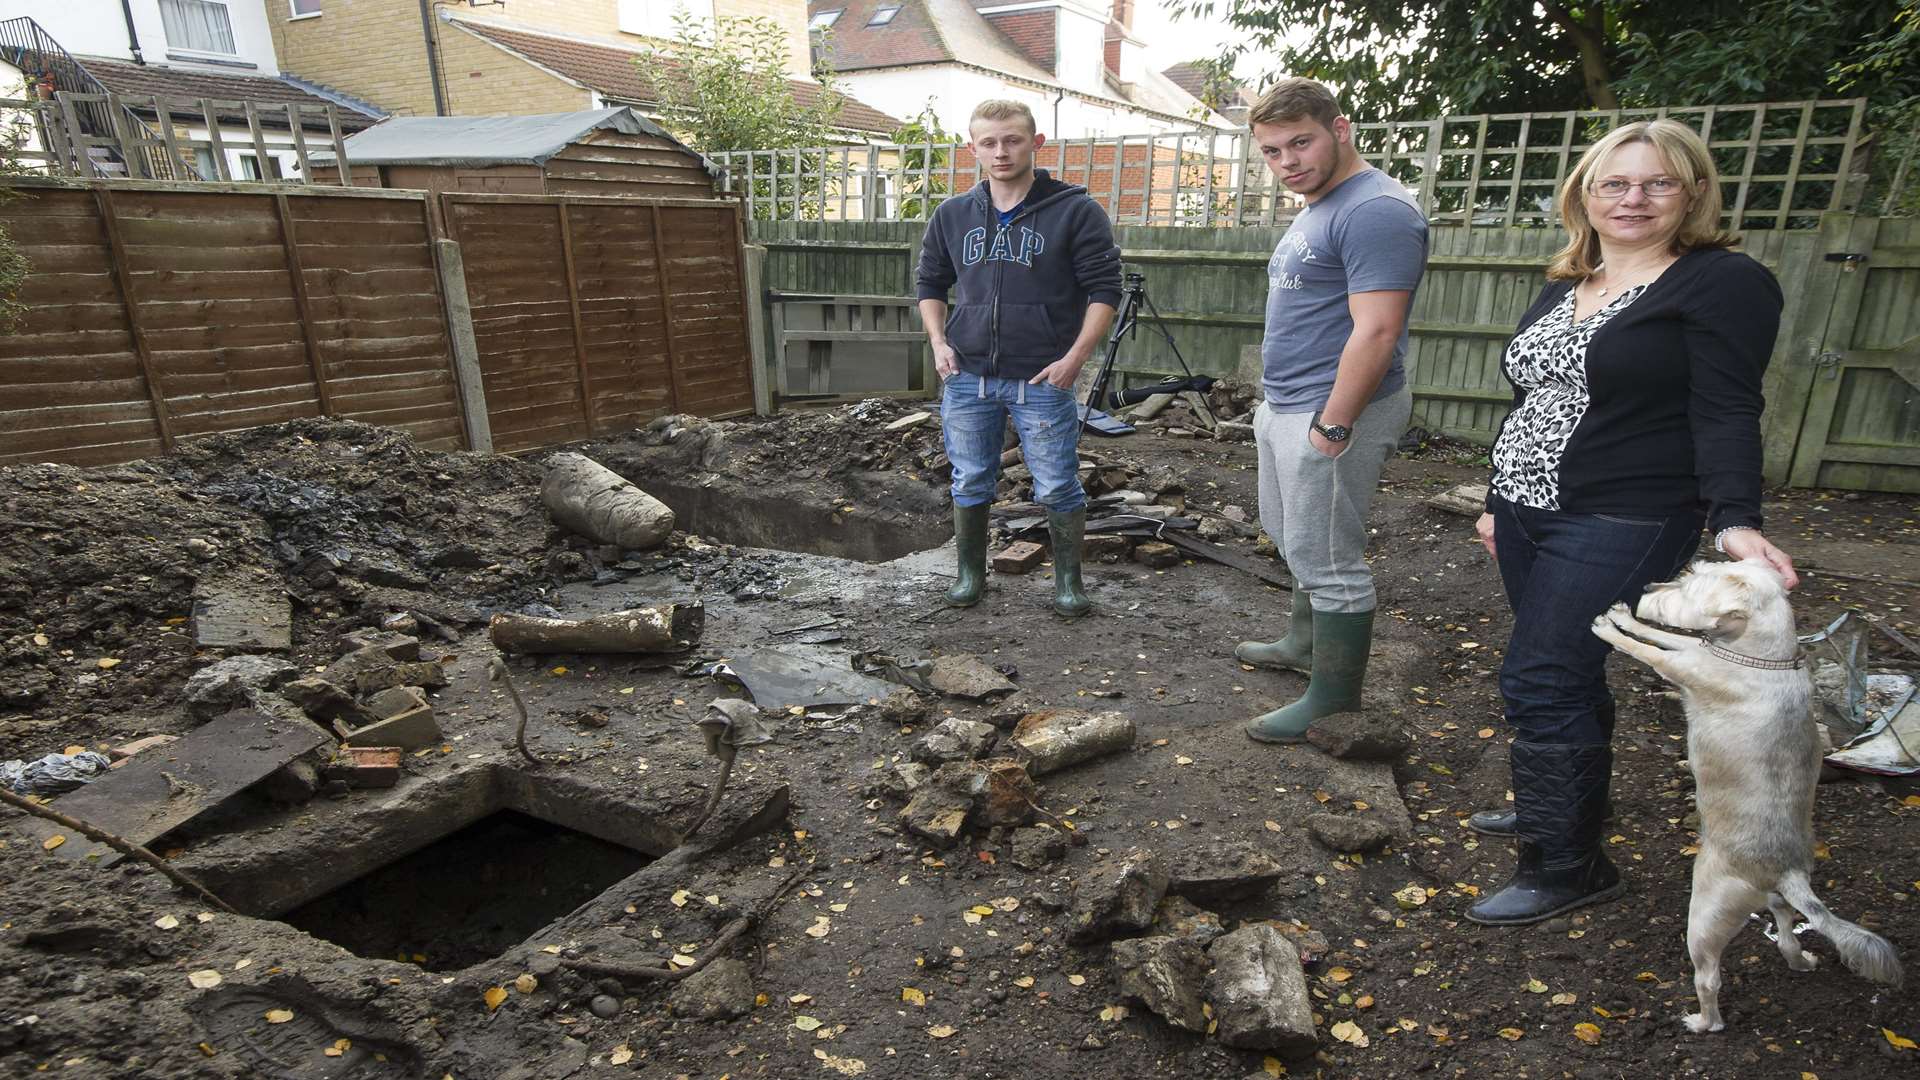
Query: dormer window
{"x": 824, "y": 19}
{"x": 883, "y": 16}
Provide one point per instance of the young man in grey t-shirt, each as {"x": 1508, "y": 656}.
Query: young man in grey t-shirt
{"x": 1336, "y": 400}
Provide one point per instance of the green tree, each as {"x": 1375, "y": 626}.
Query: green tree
{"x": 723, "y": 86}
{"x": 15, "y": 132}
{"x": 925, "y": 150}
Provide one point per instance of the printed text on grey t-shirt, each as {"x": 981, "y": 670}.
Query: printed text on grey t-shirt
{"x": 1366, "y": 235}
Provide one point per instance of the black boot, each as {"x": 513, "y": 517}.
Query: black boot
{"x": 1560, "y": 799}
{"x": 1500, "y": 822}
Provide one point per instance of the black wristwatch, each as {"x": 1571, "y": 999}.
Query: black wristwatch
{"x": 1330, "y": 432}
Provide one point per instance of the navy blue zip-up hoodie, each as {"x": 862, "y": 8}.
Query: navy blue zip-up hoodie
{"x": 1022, "y": 290}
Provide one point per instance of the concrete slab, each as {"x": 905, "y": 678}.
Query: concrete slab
{"x": 242, "y": 612}
{"x": 166, "y": 787}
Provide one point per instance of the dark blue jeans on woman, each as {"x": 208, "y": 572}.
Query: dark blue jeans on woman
{"x": 1561, "y": 570}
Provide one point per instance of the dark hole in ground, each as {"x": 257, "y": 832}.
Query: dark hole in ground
{"x": 468, "y": 896}
{"x": 726, "y": 515}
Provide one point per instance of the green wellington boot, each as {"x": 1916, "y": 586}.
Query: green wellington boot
{"x": 970, "y": 537}
{"x": 1341, "y": 640}
{"x": 1067, "y": 531}
{"x": 1293, "y": 652}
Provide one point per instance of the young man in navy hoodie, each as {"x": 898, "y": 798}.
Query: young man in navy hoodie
{"x": 1037, "y": 279}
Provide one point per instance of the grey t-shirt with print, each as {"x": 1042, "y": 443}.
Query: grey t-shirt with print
{"x": 1366, "y": 235}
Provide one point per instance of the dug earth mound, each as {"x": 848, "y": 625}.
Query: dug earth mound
{"x": 968, "y": 844}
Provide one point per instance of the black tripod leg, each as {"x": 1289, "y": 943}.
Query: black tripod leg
{"x": 1159, "y": 325}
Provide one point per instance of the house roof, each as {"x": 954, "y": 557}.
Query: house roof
{"x": 612, "y": 71}
{"x": 1194, "y": 78}
{"x": 953, "y": 32}
{"x": 481, "y": 141}
{"x": 123, "y": 77}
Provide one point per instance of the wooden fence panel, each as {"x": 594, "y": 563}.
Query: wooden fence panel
{"x": 595, "y": 315}
{"x": 160, "y": 311}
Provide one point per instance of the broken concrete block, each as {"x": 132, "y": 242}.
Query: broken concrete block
{"x": 1018, "y": 557}
{"x": 900, "y": 781}
{"x": 723, "y": 990}
{"x": 325, "y": 702}
{"x": 236, "y": 682}
{"x": 1228, "y": 431}
{"x": 1259, "y": 993}
{"x": 1467, "y": 500}
{"x": 1008, "y": 797}
{"x": 369, "y": 670}
{"x": 410, "y": 730}
{"x": 903, "y": 707}
{"x": 966, "y": 675}
{"x": 1106, "y": 547}
{"x": 1359, "y": 736}
{"x": 954, "y": 740}
{"x": 1167, "y": 975}
{"x": 1221, "y": 870}
{"x": 1155, "y": 554}
{"x": 242, "y": 612}
{"x": 936, "y": 814}
{"x": 1036, "y": 847}
{"x": 394, "y": 701}
{"x": 1118, "y": 894}
{"x": 1178, "y": 917}
{"x": 396, "y": 646}
{"x": 1009, "y": 711}
{"x": 1053, "y": 739}
{"x": 1312, "y": 945}
{"x": 294, "y": 782}
{"x": 1348, "y": 833}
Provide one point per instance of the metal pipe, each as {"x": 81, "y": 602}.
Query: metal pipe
{"x": 433, "y": 58}
{"x": 133, "y": 36}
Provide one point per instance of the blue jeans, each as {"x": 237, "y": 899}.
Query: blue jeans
{"x": 1561, "y": 570}
{"x": 973, "y": 413}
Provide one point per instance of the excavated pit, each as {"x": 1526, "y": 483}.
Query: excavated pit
{"x": 470, "y": 895}
{"x": 731, "y": 516}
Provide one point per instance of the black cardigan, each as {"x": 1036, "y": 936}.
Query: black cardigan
{"x": 1673, "y": 423}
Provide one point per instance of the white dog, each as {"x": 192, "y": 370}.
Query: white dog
{"x": 1756, "y": 759}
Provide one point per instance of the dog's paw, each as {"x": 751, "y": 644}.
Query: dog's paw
{"x": 1700, "y": 1025}
{"x": 1806, "y": 961}
{"x": 1619, "y": 611}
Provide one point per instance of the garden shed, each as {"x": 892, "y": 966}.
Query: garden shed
{"x": 597, "y": 152}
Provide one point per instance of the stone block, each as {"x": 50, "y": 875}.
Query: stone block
{"x": 1259, "y": 993}
{"x": 1156, "y": 554}
{"x": 1120, "y": 893}
{"x": 411, "y": 730}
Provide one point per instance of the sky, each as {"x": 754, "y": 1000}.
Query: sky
{"x": 1171, "y": 41}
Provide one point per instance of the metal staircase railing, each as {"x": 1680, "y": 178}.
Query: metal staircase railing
{"x": 27, "y": 46}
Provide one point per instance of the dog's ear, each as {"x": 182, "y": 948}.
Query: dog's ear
{"x": 1730, "y": 605}
{"x": 1760, "y": 572}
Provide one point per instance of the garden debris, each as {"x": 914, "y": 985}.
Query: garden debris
{"x": 658, "y": 628}
{"x": 243, "y": 612}
{"x": 1219, "y": 870}
{"x": 1166, "y": 974}
{"x": 1259, "y": 993}
{"x": 1118, "y": 894}
{"x": 1467, "y": 500}
{"x": 247, "y": 681}
{"x": 54, "y": 774}
{"x": 151, "y": 795}
{"x": 592, "y": 500}
{"x": 408, "y": 722}
{"x": 800, "y": 677}
{"x": 1054, "y": 739}
{"x": 1346, "y": 833}
{"x": 1178, "y": 917}
{"x": 954, "y": 740}
{"x": 1359, "y": 736}
{"x": 966, "y": 675}
{"x": 1034, "y": 848}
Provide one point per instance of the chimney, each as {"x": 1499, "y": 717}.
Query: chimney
{"x": 1123, "y": 14}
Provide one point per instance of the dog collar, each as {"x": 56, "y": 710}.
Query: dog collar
{"x": 1744, "y": 660}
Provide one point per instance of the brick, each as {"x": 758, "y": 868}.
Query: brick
{"x": 1018, "y": 557}
{"x": 368, "y": 766}
{"x": 410, "y": 730}
{"x": 1156, "y": 554}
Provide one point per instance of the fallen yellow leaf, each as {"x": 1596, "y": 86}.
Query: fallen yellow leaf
{"x": 526, "y": 983}
{"x": 55, "y": 841}
{"x": 1898, "y": 1042}
{"x": 621, "y": 1055}
{"x": 1911, "y": 800}
{"x": 806, "y": 1023}
{"x": 1272, "y": 1067}
{"x": 204, "y": 979}
{"x": 799, "y": 999}
{"x": 1535, "y": 986}
{"x": 679, "y": 899}
{"x": 1364, "y": 1001}
{"x": 1349, "y": 1032}
{"x": 339, "y": 1047}
{"x": 1646, "y": 976}
{"x": 1339, "y": 974}
{"x": 1511, "y": 1034}
{"x": 1023, "y": 982}
{"x": 843, "y": 1066}
{"x": 1587, "y": 1033}
{"x": 821, "y": 927}
{"x": 941, "y": 1031}
{"x": 1485, "y": 733}
{"x": 494, "y": 997}
{"x": 279, "y": 1016}
{"x": 981, "y": 909}
{"x": 1077, "y": 980}
{"x": 1564, "y": 999}
{"x": 913, "y": 995}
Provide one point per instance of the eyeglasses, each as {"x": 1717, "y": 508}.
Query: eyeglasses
{"x": 1660, "y": 187}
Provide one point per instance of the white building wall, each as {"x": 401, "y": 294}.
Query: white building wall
{"x": 99, "y": 28}
{"x": 956, "y": 90}
{"x": 1080, "y": 51}
{"x": 13, "y": 84}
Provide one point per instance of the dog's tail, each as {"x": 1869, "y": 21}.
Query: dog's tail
{"x": 1868, "y": 954}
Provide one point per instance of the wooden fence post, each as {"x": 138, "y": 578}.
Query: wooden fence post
{"x": 123, "y": 278}
{"x": 665, "y": 278}
{"x": 467, "y": 380}
{"x": 573, "y": 307}
{"x": 753, "y": 285}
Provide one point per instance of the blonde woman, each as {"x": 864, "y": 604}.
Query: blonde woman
{"x": 1635, "y": 422}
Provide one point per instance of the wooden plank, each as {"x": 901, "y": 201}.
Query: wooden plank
{"x": 573, "y": 306}
{"x": 1837, "y": 336}
{"x": 664, "y": 280}
{"x": 298, "y": 278}
{"x": 129, "y": 299}
{"x": 299, "y": 142}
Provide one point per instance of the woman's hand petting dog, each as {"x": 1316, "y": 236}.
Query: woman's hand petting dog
{"x": 1753, "y": 544}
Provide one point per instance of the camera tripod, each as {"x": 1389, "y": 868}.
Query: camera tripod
{"x": 1127, "y": 324}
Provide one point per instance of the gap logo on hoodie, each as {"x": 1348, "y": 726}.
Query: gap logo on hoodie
{"x": 1006, "y": 246}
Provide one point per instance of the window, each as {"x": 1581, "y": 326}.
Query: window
{"x": 824, "y": 19}
{"x": 197, "y": 26}
{"x": 655, "y": 18}
{"x": 249, "y": 166}
{"x": 302, "y": 9}
{"x": 883, "y": 16}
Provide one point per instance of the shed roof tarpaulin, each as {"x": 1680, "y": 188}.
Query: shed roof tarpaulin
{"x": 480, "y": 141}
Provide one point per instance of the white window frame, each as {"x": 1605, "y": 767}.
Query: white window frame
{"x": 225, "y": 9}
{"x": 891, "y": 12}
{"x": 825, "y": 19}
{"x": 294, "y": 14}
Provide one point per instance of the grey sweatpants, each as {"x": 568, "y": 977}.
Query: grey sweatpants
{"x": 1315, "y": 507}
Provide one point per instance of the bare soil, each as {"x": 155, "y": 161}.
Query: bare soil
{"x": 356, "y": 523}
